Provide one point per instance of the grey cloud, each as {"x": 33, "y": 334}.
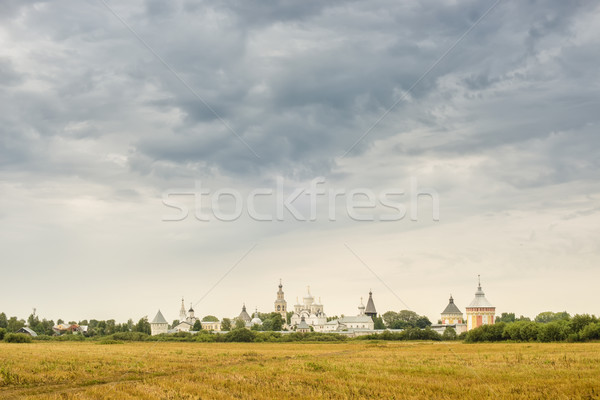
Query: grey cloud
{"x": 300, "y": 82}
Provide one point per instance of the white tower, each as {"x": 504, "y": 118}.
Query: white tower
{"x": 182, "y": 314}
{"x": 280, "y": 303}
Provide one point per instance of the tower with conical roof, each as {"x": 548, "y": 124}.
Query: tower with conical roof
{"x": 280, "y": 303}
{"x": 480, "y": 311}
{"x": 244, "y": 316}
{"x": 370, "y": 309}
{"x": 451, "y": 314}
{"x": 159, "y": 324}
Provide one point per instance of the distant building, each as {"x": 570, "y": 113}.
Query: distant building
{"x": 280, "y": 303}
{"x": 211, "y": 326}
{"x": 312, "y": 312}
{"x": 302, "y": 326}
{"x": 360, "y": 322}
{"x": 451, "y": 314}
{"x": 480, "y": 311}
{"x": 370, "y": 310}
{"x": 244, "y": 316}
{"x": 183, "y": 326}
{"x": 27, "y": 331}
{"x": 159, "y": 324}
{"x": 452, "y": 317}
{"x": 61, "y": 329}
{"x": 256, "y": 320}
{"x": 188, "y": 319}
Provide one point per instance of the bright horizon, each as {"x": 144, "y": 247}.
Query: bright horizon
{"x": 114, "y": 114}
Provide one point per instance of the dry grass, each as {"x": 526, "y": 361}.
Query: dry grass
{"x": 391, "y": 370}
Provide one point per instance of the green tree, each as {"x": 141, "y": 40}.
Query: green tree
{"x": 239, "y": 324}
{"x": 33, "y": 321}
{"x": 240, "y": 335}
{"x": 3, "y": 321}
{"x": 100, "y": 329}
{"x": 405, "y": 319}
{"x": 17, "y": 338}
{"x": 591, "y": 332}
{"x": 423, "y": 322}
{"x": 506, "y": 317}
{"x": 550, "y": 316}
{"x": 175, "y": 323}
{"x": 271, "y": 322}
{"x": 390, "y": 318}
{"x": 554, "y": 331}
{"x": 110, "y": 327}
{"x": 197, "y": 326}
{"x": 449, "y": 334}
{"x": 379, "y": 324}
{"x": 226, "y": 324}
{"x": 267, "y": 325}
{"x": 14, "y": 324}
{"x": 142, "y": 326}
{"x": 288, "y": 317}
{"x": 210, "y": 318}
{"x": 580, "y": 321}
{"x": 44, "y": 327}
{"x": 408, "y": 316}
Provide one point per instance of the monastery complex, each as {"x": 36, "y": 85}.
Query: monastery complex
{"x": 309, "y": 315}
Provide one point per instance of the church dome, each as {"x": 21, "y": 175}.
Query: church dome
{"x": 480, "y": 301}
{"x": 256, "y": 320}
{"x": 308, "y": 295}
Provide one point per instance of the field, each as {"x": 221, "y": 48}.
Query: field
{"x": 391, "y": 370}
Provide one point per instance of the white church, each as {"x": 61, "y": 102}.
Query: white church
{"x": 186, "y": 323}
{"x": 312, "y": 312}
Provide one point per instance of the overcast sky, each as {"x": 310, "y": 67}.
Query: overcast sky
{"x": 106, "y": 107}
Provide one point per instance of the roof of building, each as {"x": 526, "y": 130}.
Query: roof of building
{"x": 159, "y": 319}
{"x": 370, "y": 305}
{"x": 28, "y": 331}
{"x": 451, "y": 308}
{"x": 244, "y": 315}
{"x": 480, "y": 300}
{"x": 302, "y": 324}
{"x": 256, "y": 320}
{"x": 357, "y": 319}
{"x": 308, "y": 295}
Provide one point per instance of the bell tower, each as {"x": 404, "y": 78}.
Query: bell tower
{"x": 280, "y": 303}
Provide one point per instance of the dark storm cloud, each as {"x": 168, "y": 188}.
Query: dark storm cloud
{"x": 300, "y": 82}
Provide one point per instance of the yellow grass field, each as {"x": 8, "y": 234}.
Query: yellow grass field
{"x": 390, "y": 370}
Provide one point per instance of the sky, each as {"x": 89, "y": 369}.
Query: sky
{"x": 441, "y": 140}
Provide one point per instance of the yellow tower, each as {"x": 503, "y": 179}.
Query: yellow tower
{"x": 480, "y": 311}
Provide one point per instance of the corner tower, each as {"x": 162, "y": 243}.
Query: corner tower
{"x": 480, "y": 311}
{"x": 451, "y": 314}
{"x": 280, "y": 303}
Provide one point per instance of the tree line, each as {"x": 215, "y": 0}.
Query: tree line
{"x": 546, "y": 327}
